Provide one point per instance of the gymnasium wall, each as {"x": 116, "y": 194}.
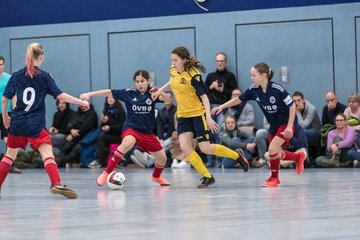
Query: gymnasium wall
{"x": 317, "y": 44}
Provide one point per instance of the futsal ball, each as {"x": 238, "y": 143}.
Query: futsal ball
{"x": 116, "y": 180}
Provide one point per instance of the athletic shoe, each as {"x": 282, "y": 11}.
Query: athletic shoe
{"x": 242, "y": 160}
{"x": 101, "y": 180}
{"x": 356, "y": 163}
{"x": 258, "y": 163}
{"x": 137, "y": 161}
{"x": 300, "y": 163}
{"x": 94, "y": 164}
{"x": 14, "y": 169}
{"x": 141, "y": 157}
{"x": 174, "y": 163}
{"x": 183, "y": 164}
{"x": 206, "y": 182}
{"x": 271, "y": 182}
{"x": 161, "y": 180}
{"x": 58, "y": 189}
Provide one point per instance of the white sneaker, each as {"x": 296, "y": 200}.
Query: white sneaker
{"x": 137, "y": 162}
{"x": 140, "y": 156}
{"x": 94, "y": 164}
{"x": 174, "y": 163}
{"x": 356, "y": 163}
{"x": 183, "y": 164}
{"x": 286, "y": 164}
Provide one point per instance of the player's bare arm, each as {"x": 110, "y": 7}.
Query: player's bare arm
{"x": 88, "y": 95}
{"x": 230, "y": 103}
{"x": 156, "y": 94}
{"x": 5, "y": 115}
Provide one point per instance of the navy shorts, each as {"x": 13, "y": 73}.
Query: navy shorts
{"x": 197, "y": 125}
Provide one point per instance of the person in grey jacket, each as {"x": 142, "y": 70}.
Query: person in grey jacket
{"x": 308, "y": 118}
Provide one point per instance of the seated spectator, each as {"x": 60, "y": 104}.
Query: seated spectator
{"x": 244, "y": 114}
{"x": 330, "y": 110}
{"x": 339, "y": 142}
{"x": 112, "y": 120}
{"x": 58, "y": 130}
{"x": 234, "y": 139}
{"x": 352, "y": 112}
{"x": 80, "y": 124}
{"x": 309, "y": 120}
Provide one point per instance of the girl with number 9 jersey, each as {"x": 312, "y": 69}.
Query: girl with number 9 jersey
{"x": 27, "y": 124}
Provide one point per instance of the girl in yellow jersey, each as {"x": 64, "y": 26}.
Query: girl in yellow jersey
{"x": 193, "y": 112}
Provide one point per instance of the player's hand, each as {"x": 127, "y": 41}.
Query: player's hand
{"x": 85, "y": 105}
{"x": 287, "y": 133}
{"x": 155, "y": 95}
{"x": 216, "y": 110}
{"x": 212, "y": 125}
{"x": 6, "y": 121}
{"x": 154, "y": 89}
{"x": 84, "y": 96}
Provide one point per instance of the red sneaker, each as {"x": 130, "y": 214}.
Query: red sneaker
{"x": 101, "y": 180}
{"x": 300, "y": 163}
{"x": 161, "y": 180}
{"x": 271, "y": 182}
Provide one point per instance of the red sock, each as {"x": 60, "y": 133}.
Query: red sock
{"x": 274, "y": 165}
{"x": 5, "y": 165}
{"x": 52, "y": 170}
{"x": 294, "y": 156}
{"x": 116, "y": 158}
{"x": 157, "y": 170}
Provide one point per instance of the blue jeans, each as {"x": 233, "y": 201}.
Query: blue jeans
{"x": 312, "y": 136}
{"x": 230, "y": 163}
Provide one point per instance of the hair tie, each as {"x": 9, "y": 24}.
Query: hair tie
{"x": 269, "y": 71}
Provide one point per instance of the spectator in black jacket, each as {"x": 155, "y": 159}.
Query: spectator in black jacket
{"x": 58, "y": 130}
{"x": 331, "y": 109}
{"x": 112, "y": 120}
{"x": 80, "y": 124}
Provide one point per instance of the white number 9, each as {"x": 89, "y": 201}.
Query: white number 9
{"x": 28, "y": 102}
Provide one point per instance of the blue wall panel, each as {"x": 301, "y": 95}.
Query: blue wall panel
{"x": 148, "y": 50}
{"x": 305, "y": 47}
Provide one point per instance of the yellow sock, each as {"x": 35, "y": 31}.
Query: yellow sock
{"x": 222, "y": 151}
{"x": 196, "y": 161}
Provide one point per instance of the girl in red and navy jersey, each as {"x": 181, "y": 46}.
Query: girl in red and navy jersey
{"x": 138, "y": 126}
{"x": 279, "y": 109}
{"x": 27, "y": 124}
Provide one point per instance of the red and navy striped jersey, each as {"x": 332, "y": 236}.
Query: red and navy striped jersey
{"x": 274, "y": 103}
{"x": 140, "y": 109}
{"x": 28, "y": 117}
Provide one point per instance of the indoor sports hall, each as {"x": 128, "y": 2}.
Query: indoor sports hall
{"x": 311, "y": 46}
